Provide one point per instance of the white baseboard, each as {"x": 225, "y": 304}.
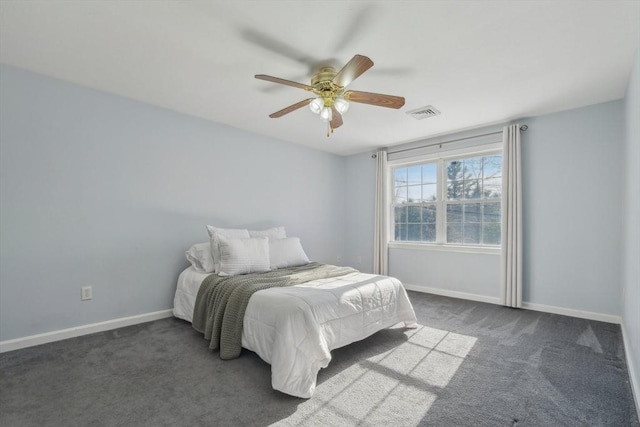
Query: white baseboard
{"x": 452, "y": 294}
{"x": 590, "y": 315}
{"x": 635, "y": 387}
{"x": 609, "y": 318}
{"x": 77, "y": 331}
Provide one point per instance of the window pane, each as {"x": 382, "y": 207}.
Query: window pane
{"x": 401, "y": 232}
{"x": 454, "y": 213}
{"x": 414, "y": 232}
{"x": 472, "y": 188}
{"x": 454, "y": 170}
{"x": 429, "y": 232}
{"x": 454, "y": 233}
{"x": 430, "y": 173}
{"x": 492, "y": 166}
{"x": 473, "y": 167}
{"x": 491, "y": 212}
{"x": 455, "y": 190}
{"x": 472, "y": 212}
{"x": 471, "y": 234}
{"x": 400, "y": 176}
{"x": 415, "y": 175}
{"x": 492, "y": 188}
{"x": 415, "y": 194}
{"x": 429, "y": 213}
{"x": 414, "y": 214}
{"x": 491, "y": 234}
{"x": 400, "y": 214}
{"x": 429, "y": 192}
{"x": 400, "y": 195}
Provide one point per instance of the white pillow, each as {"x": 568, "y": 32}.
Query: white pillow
{"x": 286, "y": 253}
{"x": 199, "y": 255}
{"x": 271, "y": 233}
{"x": 229, "y": 233}
{"x": 242, "y": 256}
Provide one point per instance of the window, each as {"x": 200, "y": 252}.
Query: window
{"x": 415, "y": 194}
{"x": 449, "y": 200}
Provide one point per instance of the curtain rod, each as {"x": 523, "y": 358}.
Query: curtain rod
{"x": 523, "y": 128}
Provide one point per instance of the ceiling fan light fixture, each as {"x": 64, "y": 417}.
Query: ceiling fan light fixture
{"x": 341, "y": 105}
{"x": 316, "y": 105}
{"x": 325, "y": 114}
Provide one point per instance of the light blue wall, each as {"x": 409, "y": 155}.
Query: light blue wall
{"x": 459, "y": 274}
{"x": 102, "y": 191}
{"x": 631, "y": 235}
{"x": 572, "y": 197}
{"x": 97, "y": 190}
{"x": 359, "y": 211}
{"x": 572, "y": 185}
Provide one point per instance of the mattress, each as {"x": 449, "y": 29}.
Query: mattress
{"x": 295, "y": 328}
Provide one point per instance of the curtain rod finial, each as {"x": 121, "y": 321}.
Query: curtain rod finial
{"x": 374, "y": 156}
{"x": 524, "y": 128}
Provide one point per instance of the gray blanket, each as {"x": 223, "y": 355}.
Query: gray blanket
{"x": 222, "y": 301}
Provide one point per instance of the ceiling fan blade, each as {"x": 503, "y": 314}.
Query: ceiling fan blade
{"x": 336, "y": 118}
{"x": 378, "y": 99}
{"x": 354, "y": 69}
{"x": 282, "y": 81}
{"x": 290, "y": 108}
{"x": 274, "y": 45}
{"x": 356, "y": 27}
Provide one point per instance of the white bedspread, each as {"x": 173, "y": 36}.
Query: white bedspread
{"x": 295, "y": 328}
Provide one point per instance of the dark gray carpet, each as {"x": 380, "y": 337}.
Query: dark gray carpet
{"x": 469, "y": 364}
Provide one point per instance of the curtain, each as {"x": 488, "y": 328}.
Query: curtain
{"x": 511, "y": 263}
{"x": 381, "y": 235}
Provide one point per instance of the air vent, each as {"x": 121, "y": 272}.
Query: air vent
{"x": 424, "y": 112}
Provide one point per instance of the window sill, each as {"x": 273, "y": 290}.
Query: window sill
{"x": 492, "y": 250}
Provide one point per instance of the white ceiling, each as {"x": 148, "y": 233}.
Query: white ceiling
{"x": 478, "y": 62}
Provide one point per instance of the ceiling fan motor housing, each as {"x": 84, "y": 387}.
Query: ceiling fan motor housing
{"x": 324, "y": 87}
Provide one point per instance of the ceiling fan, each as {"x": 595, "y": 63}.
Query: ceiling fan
{"x": 332, "y": 100}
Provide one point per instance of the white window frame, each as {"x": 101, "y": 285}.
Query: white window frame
{"x": 440, "y": 158}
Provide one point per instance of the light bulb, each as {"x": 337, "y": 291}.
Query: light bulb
{"x": 325, "y": 114}
{"x": 316, "y": 105}
{"x": 341, "y": 105}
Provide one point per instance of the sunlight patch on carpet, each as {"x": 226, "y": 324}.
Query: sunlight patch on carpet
{"x": 589, "y": 339}
{"x": 398, "y": 385}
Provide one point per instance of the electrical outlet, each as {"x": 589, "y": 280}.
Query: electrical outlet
{"x": 86, "y": 293}
{"x": 359, "y": 259}
{"x": 339, "y": 260}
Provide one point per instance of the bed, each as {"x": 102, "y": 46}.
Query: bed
{"x": 294, "y": 328}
